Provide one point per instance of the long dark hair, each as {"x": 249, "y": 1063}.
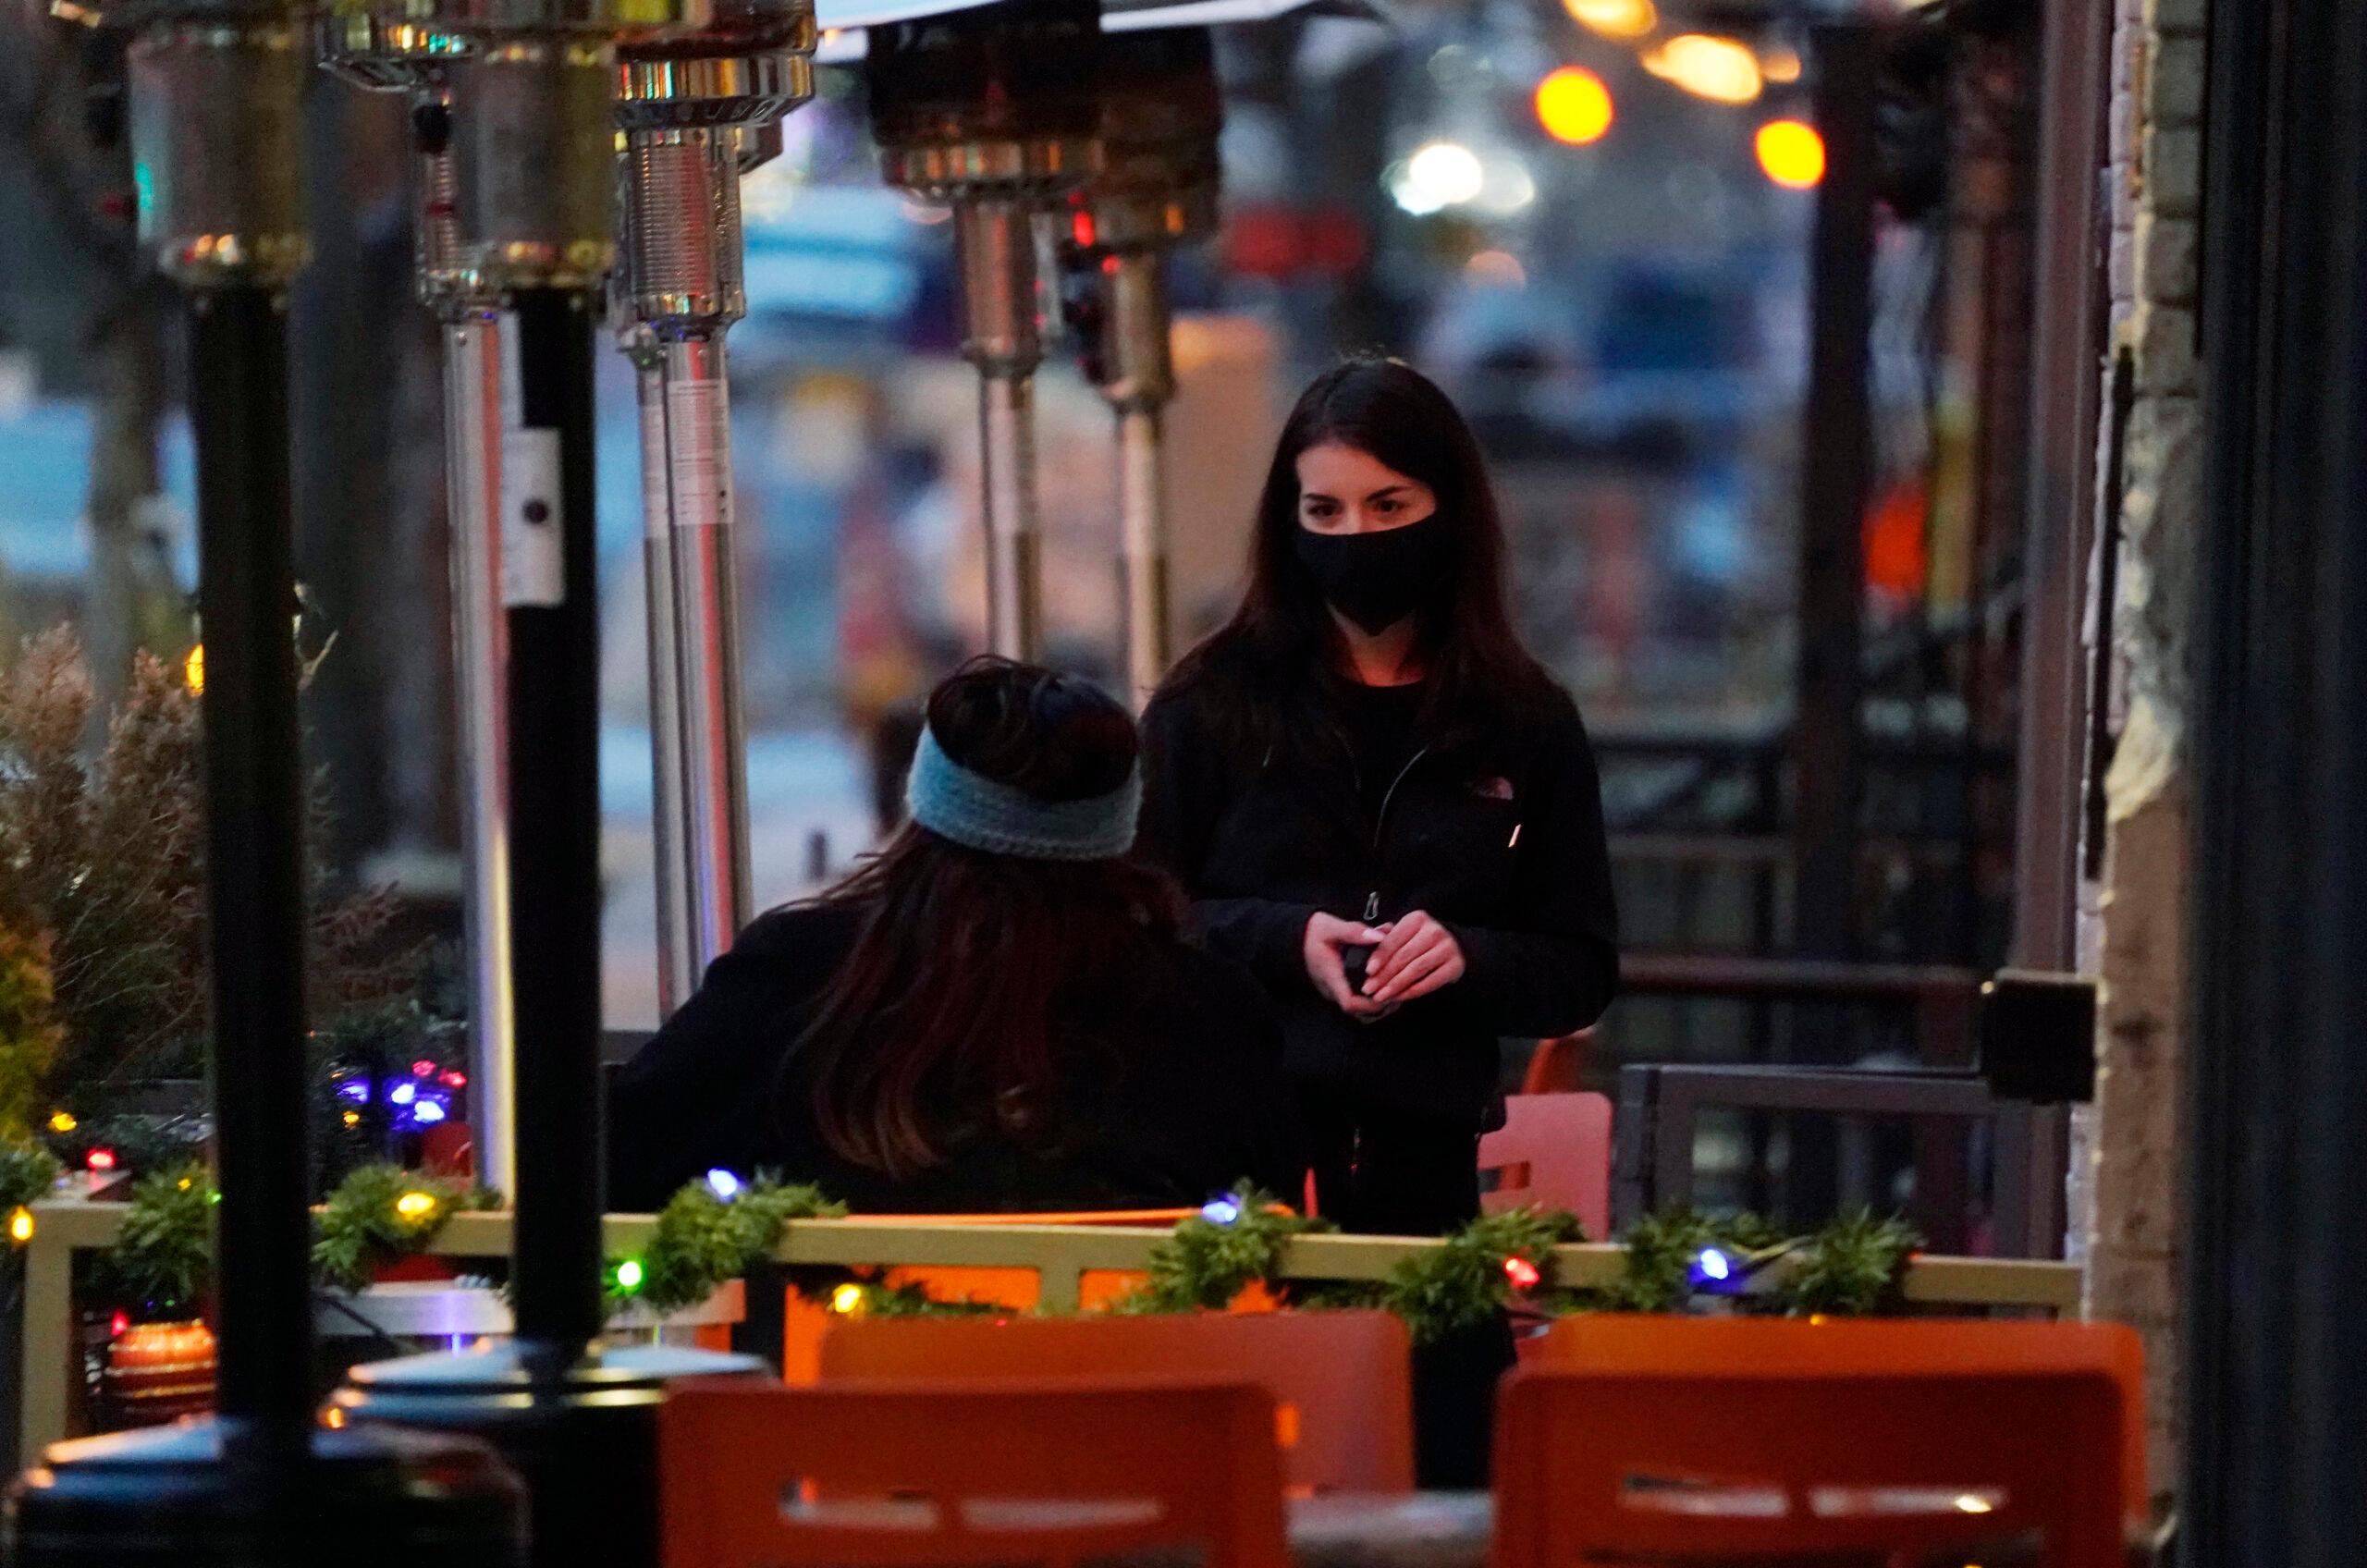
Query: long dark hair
{"x": 1270, "y": 662}
{"x": 950, "y": 1017}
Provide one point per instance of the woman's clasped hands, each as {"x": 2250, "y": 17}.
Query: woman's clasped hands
{"x": 1407, "y": 958}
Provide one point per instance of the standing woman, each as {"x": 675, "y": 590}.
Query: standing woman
{"x": 1381, "y": 803}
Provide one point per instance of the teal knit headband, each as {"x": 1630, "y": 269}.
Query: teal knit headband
{"x": 976, "y": 811}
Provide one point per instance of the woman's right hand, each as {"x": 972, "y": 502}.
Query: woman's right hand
{"x": 1327, "y": 936}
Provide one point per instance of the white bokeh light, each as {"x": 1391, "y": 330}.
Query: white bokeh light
{"x": 1444, "y": 174}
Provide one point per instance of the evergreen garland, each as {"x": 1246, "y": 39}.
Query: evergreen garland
{"x": 164, "y": 1255}
{"x": 704, "y": 1239}
{"x": 1657, "y": 1273}
{"x": 1855, "y": 1268}
{"x": 1468, "y": 1280}
{"x": 28, "y": 1174}
{"x": 713, "y": 1231}
{"x": 1212, "y": 1256}
{"x": 381, "y": 1213}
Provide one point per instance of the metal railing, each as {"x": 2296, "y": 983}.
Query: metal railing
{"x": 1061, "y": 1256}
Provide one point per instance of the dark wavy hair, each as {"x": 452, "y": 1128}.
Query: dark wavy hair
{"x": 975, "y": 976}
{"x": 1269, "y": 664}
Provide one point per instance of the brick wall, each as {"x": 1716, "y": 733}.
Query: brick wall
{"x": 2134, "y": 1222}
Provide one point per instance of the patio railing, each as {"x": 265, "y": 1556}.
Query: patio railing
{"x": 1061, "y": 1256}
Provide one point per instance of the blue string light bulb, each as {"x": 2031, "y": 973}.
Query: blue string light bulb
{"x": 723, "y": 1184}
{"x": 1224, "y": 1210}
{"x": 1728, "y": 1271}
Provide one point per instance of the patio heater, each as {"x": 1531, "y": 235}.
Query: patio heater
{"x": 217, "y": 90}
{"x": 532, "y": 143}
{"x": 413, "y": 58}
{"x": 695, "y": 113}
{"x": 1161, "y": 113}
{"x": 992, "y": 112}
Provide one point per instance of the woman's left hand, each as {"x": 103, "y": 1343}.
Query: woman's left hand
{"x": 1418, "y": 957}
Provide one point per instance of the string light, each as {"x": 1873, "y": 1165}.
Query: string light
{"x": 629, "y": 1275}
{"x": 1713, "y": 1265}
{"x": 101, "y": 1160}
{"x": 1221, "y": 1212}
{"x": 1615, "y": 18}
{"x": 417, "y": 1204}
{"x": 1522, "y": 1273}
{"x": 193, "y": 669}
{"x": 456, "y": 1080}
{"x": 422, "y": 1069}
{"x": 403, "y": 1094}
{"x": 1440, "y": 174}
{"x": 20, "y": 1226}
{"x": 723, "y": 1184}
{"x": 427, "y": 1113}
{"x": 353, "y": 1118}
{"x": 1791, "y": 153}
{"x": 1717, "y": 68}
{"x": 118, "y": 1325}
{"x": 847, "y": 1300}
{"x": 183, "y": 1183}
{"x": 1973, "y": 1502}
{"x": 62, "y": 1121}
{"x": 1574, "y": 106}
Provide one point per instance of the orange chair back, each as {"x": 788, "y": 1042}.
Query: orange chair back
{"x": 1867, "y": 1347}
{"x": 951, "y": 1475}
{"x": 1344, "y": 1409}
{"x": 1801, "y": 1455}
{"x": 1553, "y": 1151}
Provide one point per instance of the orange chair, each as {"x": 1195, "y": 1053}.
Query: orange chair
{"x": 1344, "y": 1409}
{"x": 1972, "y": 1346}
{"x": 1552, "y": 1151}
{"x": 949, "y": 1474}
{"x": 1803, "y": 1453}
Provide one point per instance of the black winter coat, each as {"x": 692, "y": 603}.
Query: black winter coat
{"x": 1186, "y": 1097}
{"x": 1499, "y": 837}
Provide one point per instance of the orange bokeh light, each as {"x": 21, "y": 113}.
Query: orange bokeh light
{"x": 1791, "y": 153}
{"x": 1574, "y": 105}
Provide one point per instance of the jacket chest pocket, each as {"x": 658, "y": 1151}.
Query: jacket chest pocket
{"x": 1459, "y": 853}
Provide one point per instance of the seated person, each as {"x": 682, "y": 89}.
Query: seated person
{"x": 994, "y": 1014}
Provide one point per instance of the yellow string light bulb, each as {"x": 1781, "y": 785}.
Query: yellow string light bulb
{"x": 1791, "y": 153}
{"x": 847, "y": 1299}
{"x": 1574, "y": 106}
{"x": 193, "y": 669}
{"x": 62, "y": 1121}
{"x": 20, "y": 1226}
{"x": 353, "y": 1118}
{"x": 415, "y": 1206}
{"x": 1615, "y": 18}
{"x": 1708, "y": 67}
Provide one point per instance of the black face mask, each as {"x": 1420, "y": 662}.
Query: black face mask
{"x": 1376, "y": 579}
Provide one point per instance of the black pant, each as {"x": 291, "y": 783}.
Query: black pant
{"x": 1384, "y": 1173}
{"x": 1388, "y": 1174}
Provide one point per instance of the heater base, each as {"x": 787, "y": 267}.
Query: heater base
{"x": 582, "y": 1430}
{"x": 195, "y": 1496}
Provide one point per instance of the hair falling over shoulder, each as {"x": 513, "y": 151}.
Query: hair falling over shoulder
{"x": 959, "y": 1007}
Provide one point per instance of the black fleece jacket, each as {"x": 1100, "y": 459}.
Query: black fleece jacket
{"x": 1498, "y": 836}
{"x": 1181, "y": 1096}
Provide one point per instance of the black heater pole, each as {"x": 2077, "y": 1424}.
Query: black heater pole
{"x": 255, "y": 793}
{"x": 554, "y": 840}
{"x": 215, "y": 97}
{"x": 534, "y": 172}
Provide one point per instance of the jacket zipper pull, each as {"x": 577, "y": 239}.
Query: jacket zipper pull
{"x": 1372, "y": 906}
